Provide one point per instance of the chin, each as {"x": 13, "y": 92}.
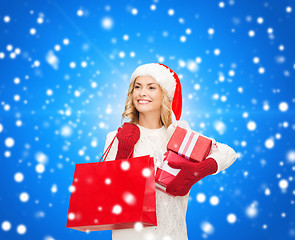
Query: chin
{"x": 142, "y": 109}
{"x": 146, "y": 110}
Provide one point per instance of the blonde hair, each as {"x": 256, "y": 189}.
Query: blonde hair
{"x": 132, "y": 113}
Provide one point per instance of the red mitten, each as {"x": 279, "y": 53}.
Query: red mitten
{"x": 127, "y": 136}
{"x": 190, "y": 173}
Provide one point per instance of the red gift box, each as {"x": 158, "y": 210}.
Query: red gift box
{"x": 189, "y": 144}
{"x": 165, "y": 174}
{"x": 113, "y": 195}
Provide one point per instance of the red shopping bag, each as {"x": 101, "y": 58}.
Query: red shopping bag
{"x": 113, "y": 194}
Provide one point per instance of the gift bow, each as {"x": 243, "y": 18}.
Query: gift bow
{"x": 160, "y": 159}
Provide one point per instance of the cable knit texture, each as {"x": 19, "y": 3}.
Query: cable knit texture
{"x": 171, "y": 211}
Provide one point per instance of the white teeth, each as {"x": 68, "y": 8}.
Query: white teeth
{"x": 143, "y": 101}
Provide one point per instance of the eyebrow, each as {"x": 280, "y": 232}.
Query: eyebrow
{"x": 147, "y": 84}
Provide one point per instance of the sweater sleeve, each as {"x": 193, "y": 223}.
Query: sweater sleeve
{"x": 113, "y": 151}
{"x": 223, "y": 154}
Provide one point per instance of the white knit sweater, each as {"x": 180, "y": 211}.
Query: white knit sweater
{"x": 170, "y": 211}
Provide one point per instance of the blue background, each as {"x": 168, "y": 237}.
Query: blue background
{"x": 258, "y": 189}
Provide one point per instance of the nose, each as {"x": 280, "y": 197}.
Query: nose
{"x": 142, "y": 92}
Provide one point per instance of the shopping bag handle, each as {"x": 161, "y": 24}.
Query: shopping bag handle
{"x": 105, "y": 154}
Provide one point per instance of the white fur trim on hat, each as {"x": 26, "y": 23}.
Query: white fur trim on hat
{"x": 160, "y": 73}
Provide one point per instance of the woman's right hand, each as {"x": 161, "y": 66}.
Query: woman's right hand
{"x": 127, "y": 137}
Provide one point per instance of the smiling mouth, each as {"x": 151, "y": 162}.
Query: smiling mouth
{"x": 143, "y": 102}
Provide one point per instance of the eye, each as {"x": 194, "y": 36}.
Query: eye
{"x": 152, "y": 88}
{"x": 136, "y": 87}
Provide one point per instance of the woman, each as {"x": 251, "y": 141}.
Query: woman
{"x": 153, "y": 94}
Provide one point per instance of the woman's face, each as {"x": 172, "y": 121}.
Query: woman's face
{"x": 149, "y": 91}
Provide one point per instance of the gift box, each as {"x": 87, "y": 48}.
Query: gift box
{"x": 189, "y": 144}
{"x": 165, "y": 174}
{"x": 113, "y": 195}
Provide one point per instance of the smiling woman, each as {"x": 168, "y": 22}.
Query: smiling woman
{"x": 154, "y": 94}
{"x": 149, "y": 105}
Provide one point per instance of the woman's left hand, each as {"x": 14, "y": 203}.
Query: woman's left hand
{"x": 190, "y": 173}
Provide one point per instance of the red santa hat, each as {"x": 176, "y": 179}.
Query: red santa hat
{"x": 167, "y": 79}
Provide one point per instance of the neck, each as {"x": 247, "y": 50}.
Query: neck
{"x": 150, "y": 121}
